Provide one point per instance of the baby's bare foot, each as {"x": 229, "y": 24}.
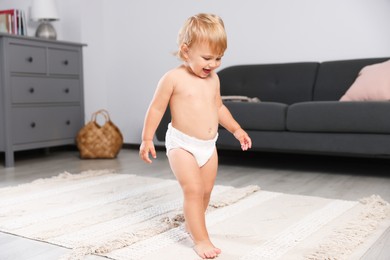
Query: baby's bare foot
{"x": 206, "y": 250}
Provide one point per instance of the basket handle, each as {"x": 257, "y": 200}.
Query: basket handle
{"x": 101, "y": 112}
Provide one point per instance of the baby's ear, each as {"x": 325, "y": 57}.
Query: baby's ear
{"x": 184, "y": 50}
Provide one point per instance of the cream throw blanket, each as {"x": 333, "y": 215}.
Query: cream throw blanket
{"x": 122, "y": 216}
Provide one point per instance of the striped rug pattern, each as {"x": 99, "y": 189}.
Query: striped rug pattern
{"x": 123, "y": 216}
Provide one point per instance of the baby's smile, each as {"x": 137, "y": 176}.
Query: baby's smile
{"x": 207, "y": 71}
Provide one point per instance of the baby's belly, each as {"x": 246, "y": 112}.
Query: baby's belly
{"x": 204, "y": 128}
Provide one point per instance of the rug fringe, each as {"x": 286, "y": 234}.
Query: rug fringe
{"x": 223, "y": 200}
{"x": 77, "y": 176}
{"x": 57, "y": 178}
{"x": 125, "y": 240}
{"x": 341, "y": 243}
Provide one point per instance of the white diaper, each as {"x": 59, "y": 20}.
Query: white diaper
{"x": 202, "y": 150}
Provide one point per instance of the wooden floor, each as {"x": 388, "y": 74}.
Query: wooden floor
{"x": 331, "y": 177}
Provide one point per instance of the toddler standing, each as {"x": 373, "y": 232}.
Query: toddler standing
{"x": 192, "y": 92}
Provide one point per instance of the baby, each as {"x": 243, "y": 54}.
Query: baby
{"x": 192, "y": 92}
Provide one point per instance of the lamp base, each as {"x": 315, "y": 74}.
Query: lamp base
{"x": 46, "y": 30}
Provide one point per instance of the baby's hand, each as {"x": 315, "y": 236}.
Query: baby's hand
{"x": 146, "y": 148}
{"x": 243, "y": 138}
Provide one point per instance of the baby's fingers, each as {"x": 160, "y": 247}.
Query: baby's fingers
{"x": 249, "y": 142}
{"x": 246, "y": 143}
{"x": 144, "y": 154}
{"x": 244, "y": 146}
{"x": 153, "y": 152}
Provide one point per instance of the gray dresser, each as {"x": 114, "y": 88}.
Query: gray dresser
{"x": 41, "y": 94}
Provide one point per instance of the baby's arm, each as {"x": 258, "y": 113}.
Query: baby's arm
{"x": 153, "y": 117}
{"x": 227, "y": 121}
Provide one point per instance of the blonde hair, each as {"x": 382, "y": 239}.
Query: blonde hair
{"x": 208, "y": 28}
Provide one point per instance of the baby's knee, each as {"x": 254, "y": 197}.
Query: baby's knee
{"x": 208, "y": 188}
{"x": 194, "y": 191}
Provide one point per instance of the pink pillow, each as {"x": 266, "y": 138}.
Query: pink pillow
{"x": 372, "y": 83}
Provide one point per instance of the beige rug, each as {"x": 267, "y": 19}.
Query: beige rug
{"x": 123, "y": 216}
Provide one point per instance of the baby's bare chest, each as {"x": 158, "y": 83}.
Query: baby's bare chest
{"x": 197, "y": 93}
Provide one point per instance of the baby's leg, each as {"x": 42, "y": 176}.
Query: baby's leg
{"x": 209, "y": 173}
{"x": 188, "y": 173}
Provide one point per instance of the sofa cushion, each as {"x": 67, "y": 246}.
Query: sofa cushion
{"x": 354, "y": 144}
{"x": 373, "y": 83}
{"x": 339, "y": 117}
{"x": 264, "y": 116}
{"x": 283, "y": 83}
{"x": 335, "y": 77}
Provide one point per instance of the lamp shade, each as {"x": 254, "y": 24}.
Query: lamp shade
{"x": 44, "y": 10}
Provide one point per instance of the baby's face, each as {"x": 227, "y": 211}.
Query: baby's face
{"x": 202, "y": 60}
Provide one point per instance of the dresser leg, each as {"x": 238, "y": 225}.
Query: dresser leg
{"x": 9, "y": 159}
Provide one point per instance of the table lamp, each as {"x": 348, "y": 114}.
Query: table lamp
{"x": 45, "y": 11}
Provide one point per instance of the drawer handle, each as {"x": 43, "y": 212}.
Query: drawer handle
{"x": 30, "y": 59}
{"x": 31, "y": 90}
{"x": 67, "y": 122}
{"x": 33, "y": 125}
{"x": 67, "y": 90}
{"x": 66, "y": 62}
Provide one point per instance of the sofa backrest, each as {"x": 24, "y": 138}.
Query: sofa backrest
{"x": 284, "y": 83}
{"x": 335, "y": 77}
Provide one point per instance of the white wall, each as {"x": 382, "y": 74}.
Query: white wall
{"x": 130, "y": 42}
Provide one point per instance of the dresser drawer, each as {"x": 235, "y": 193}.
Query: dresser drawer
{"x": 36, "y": 124}
{"x": 44, "y": 90}
{"x": 27, "y": 59}
{"x": 64, "y": 62}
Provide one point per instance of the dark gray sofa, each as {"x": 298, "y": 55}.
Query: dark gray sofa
{"x": 300, "y": 111}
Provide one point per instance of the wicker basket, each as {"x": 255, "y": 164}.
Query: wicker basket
{"x": 99, "y": 141}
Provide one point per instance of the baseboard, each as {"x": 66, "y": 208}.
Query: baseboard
{"x": 136, "y": 147}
